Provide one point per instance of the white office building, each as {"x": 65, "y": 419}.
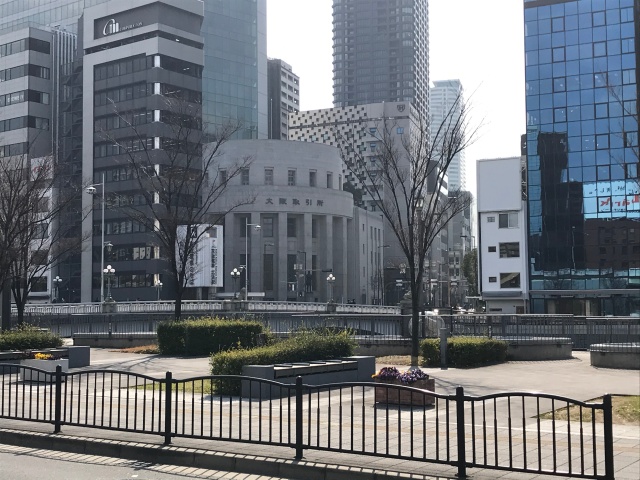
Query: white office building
{"x": 502, "y": 232}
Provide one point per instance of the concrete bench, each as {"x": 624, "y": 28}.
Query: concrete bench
{"x": 349, "y": 369}
{"x": 538, "y": 348}
{"x": 615, "y": 355}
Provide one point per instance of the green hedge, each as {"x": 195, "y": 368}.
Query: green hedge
{"x": 304, "y": 346}
{"x": 204, "y": 336}
{"x": 28, "y": 337}
{"x": 464, "y": 352}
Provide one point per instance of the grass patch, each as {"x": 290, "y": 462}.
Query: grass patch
{"x": 149, "y": 349}
{"x": 398, "y": 360}
{"x": 626, "y": 411}
{"x": 204, "y": 386}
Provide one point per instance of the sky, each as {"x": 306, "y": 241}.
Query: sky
{"x": 479, "y": 43}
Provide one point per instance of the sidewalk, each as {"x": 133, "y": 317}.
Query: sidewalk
{"x": 573, "y": 378}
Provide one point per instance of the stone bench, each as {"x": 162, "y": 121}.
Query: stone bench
{"x": 538, "y": 348}
{"x": 349, "y": 369}
{"x": 615, "y": 355}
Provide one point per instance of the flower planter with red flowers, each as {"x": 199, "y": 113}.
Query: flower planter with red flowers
{"x": 400, "y": 396}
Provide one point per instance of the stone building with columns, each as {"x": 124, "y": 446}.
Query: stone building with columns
{"x": 299, "y": 226}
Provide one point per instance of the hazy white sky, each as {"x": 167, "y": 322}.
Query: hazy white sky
{"x": 480, "y": 43}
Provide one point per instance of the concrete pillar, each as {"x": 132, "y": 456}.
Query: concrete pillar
{"x": 255, "y": 254}
{"x": 326, "y": 252}
{"x": 281, "y": 257}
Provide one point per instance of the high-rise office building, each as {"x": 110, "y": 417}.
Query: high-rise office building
{"x": 582, "y": 162}
{"x": 381, "y": 53}
{"x": 284, "y": 97}
{"x": 234, "y": 82}
{"x": 446, "y": 102}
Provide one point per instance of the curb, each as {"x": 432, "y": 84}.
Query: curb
{"x": 199, "y": 458}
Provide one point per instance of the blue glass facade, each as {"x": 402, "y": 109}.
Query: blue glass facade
{"x": 582, "y": 152}
{"x": 63, "y": 13}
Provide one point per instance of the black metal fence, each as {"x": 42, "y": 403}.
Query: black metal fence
{"x": 581, "y": 331}
{"x": 523, "y": 432}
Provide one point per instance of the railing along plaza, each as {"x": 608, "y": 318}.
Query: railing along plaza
{"x": 513, "y": 431}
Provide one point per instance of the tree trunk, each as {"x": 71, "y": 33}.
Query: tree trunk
{"x": 415, "y": 334}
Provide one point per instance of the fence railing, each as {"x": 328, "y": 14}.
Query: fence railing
{"x": 515, "y": 431}
{"x": 199, "y": 306}
{"x": 582, "y": 331}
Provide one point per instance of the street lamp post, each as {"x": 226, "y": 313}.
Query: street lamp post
{"x": 91, "y": 190}
{"x": 235, "y": 275}
{"x": 56, "y": 288}
{"x": 158, "y": 286}
{"x": 109, "y": 272}
{"x": 330, "y": 281}
{"x": 247, "y": 272}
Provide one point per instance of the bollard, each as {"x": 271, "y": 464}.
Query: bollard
{"x": 443, "y": 348}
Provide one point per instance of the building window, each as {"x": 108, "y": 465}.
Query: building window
{"x": 508, "y": 220}
{"x": 510, "y": 280}
{"x": 292, "y": 227}
{"x": 244, "y": 176}
{"x": 491, "y": 219}
{"x": 268, "y": 176}
{"x": 400, "y": 130}
{"x": 223, "y": 177}
{"x": 492, "y": 249}
{"x": 509, "y": 250}
{"x": 291, "y": 178}
{"x": 312, "y": 178}
{"x": 493, "y": 279}
{"x": 267, "y": 226}
{"x": 329, "y": 180}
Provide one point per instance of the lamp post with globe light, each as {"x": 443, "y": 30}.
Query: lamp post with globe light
{"x": 91, "y": 190}
{"x": 235, "y": 275}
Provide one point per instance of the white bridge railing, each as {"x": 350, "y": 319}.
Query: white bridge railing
{"x": 200, "y": 306}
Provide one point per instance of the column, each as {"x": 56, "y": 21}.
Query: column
{"x": 281, "y": 257}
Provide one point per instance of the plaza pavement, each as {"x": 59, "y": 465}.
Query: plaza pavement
{"x": 573, "y": 378}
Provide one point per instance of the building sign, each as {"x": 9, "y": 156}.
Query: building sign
{"x": 294, "y": 202}
{"x": 112, "y": 26}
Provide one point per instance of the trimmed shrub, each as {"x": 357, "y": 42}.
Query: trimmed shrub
{"x": 28, "y": 337}
{"x": 303, "y": 346}
{"x": 463, "y": 352}
{"x": 205, "y": 336}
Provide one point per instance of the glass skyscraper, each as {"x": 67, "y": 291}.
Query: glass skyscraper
{"x": 381, "y": 53}
{"x": 582, "y": 156}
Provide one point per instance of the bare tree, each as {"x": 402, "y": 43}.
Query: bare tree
{"x": 470, "y": 271}
{"x": 406, "y": 181}
{"x": 31, "y": 238}
{"x": 178, "y": 183}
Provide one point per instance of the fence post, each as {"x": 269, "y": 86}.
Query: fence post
{"x": 167, "y": 409}
{"x": 57, "y": 421}
{"x": 299, "y": 418}
{"x": 443, "y": 348}
{"x": 608, "y": 437}
{"x": 462, "y": 454}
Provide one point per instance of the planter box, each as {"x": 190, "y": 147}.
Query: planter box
{"x": 397, "y": 396}
{"x": 29, "y": 375}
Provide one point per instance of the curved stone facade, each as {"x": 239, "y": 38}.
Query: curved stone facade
{"x": 293, "y": 190}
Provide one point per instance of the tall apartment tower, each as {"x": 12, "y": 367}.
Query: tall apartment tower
{"x": 284, "y": 97}
{"x": 444, "y": 98}
{"x": 582, "y": 164}
{"x": 381, "y": 53}
{"x": 235, "y": 35}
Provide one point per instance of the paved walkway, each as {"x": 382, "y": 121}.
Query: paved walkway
{"x": 573, "y": 378}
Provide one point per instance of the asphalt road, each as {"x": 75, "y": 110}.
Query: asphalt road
{"x": 21, "y": 463}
